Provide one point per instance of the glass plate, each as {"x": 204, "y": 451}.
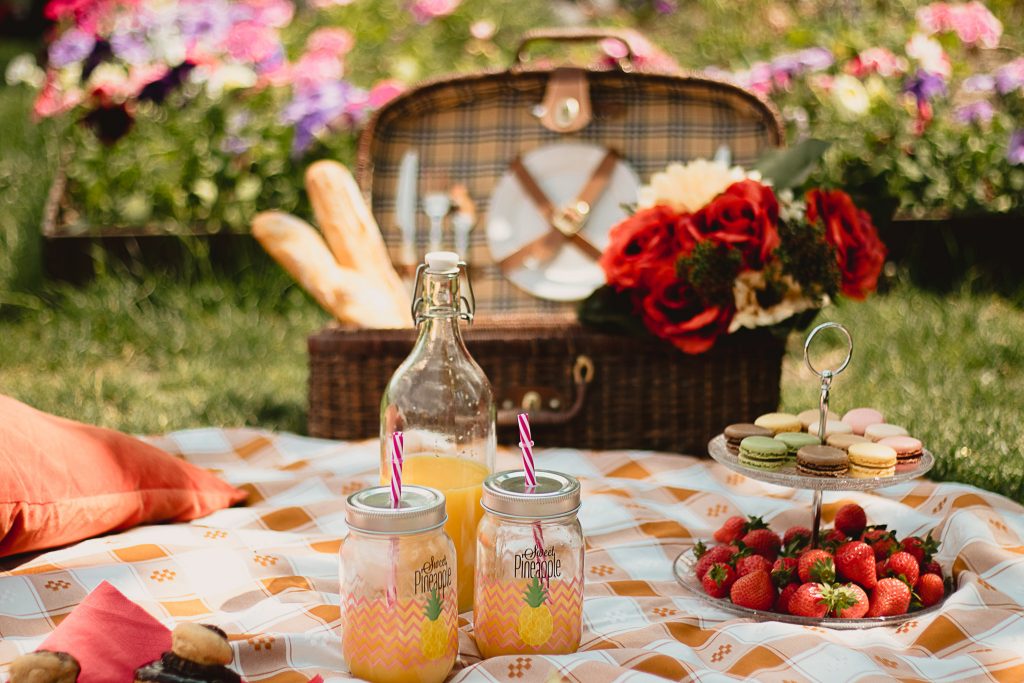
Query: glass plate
{"x": 788, "y": 476}
{"x": 683, "y": 568}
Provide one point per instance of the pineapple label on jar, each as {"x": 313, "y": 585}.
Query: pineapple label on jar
{"x": 398, "y": 587}
{"x": 529, "y": 572}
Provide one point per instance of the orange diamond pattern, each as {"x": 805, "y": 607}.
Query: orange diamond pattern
{"x": 496, "y": 617}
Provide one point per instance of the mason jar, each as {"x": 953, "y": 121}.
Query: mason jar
{"x": 398, "y": 587}
{"x": 529, "y": 566}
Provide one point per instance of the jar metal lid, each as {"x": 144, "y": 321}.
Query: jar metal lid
{"x": 370, "y": 510}
{"x": 555, "y": 495}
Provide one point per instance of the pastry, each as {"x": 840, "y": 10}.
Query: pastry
{"x": 779, "y": 422}
{"x": 908, "y": 449}
{"x": 821, "y": 461}
{"x": 862, "y": 418}
{"x": 199, "y": 654}
{"x": 844, "y": 441}
{"x": 831, "y": 427}
{"x": 44, "y": 666}
{"x": 868, "y": 460}
{"x": 762, "y": 452}
{"x": 737, "y": 432}
{"x": 796, "y": 440}
{"x": 882, "y": 430}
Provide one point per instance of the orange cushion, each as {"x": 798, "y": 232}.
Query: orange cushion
{"x": 63, "y": 481}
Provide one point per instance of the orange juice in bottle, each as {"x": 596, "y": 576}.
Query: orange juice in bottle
{"x": 442, "y": 402}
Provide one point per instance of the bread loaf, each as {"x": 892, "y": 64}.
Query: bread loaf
{"x": 348, "y": 295}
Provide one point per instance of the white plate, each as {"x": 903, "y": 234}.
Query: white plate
{"x": 513, "y": 220}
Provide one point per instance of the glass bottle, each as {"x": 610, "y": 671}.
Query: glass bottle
{"x": 442, "y": 402}
{"x": 398, "y": 576}
{"x": 529, "y": 573}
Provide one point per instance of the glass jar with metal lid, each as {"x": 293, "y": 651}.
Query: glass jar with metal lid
{"x": 529, "y": 565}
{"x": 398, "y": 587}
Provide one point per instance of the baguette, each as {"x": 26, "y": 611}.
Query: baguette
{"x": 349, "y": 296}
{"x": 349, "y": 226}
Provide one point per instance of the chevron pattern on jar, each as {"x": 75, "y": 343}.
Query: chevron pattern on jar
{"x": 500, "y": 604}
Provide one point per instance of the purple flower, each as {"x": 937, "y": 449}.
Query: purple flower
{"x": 795, "y": 63}
{"x": 925, "y": 86}
{"x": 978, "y": 83}
{"x": 1010, "y": 77}
{"x": 234, "y": 145}
{"x": 665, "y": 6}
{"x": 816, "y": 58}
{"x": 73, "y": 45}
{"x": 131, "y": 47}
{"x": 204, "y": 20}
{"x": 980, "y": 112}
{"x": 1015, "y": 150}
{"x": 313, "y": 110}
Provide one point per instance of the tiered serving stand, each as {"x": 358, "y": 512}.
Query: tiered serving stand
{"x": 787, "y": 475}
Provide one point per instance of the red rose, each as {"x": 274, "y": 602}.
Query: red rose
{"x": 671, "y": 310}
{"x": 859, "y": 252}
{"x": 645, "y": 241}
{"x": 745, "y": 216}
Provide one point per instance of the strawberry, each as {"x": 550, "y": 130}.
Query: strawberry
{"x": 921, "y": 549}
{"x": 855, "y": 561}
{"x": 808, "y": 601}
{"x": 784, "y": 571}
{"x": 881, "y": 541}
{"x": 834, "y": 538}
{"x": 851, "y": 520}
{"x": 752, "y": 563}
{"x": 816, "y": 565}
{"x": 720, "y": 553}
{"x": 718, "y": 580}
{"x": 903, "y": 566}
{"x": 754, "y": 591}
{"x": 794, "y": 532}
{"x": 785, "y": 595}
{"x": 932, "y": 567}
{"x": 930, "y": 589}
{"x": 735, "y": 528}
{"x": 846, "y": 601}
{"x": 890, "y": 597}
{"x": 763, "y": 542}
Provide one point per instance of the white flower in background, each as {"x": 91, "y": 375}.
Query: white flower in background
{"x": 689, "y": 187}
{"x": 23, "y": 69}
{"x": 749, "y": 312}
{"x": 230, "y": 77}
{"x": 109, "y": 78}
{"x": 850, "y": 96}
{"x": 929, "y": 54}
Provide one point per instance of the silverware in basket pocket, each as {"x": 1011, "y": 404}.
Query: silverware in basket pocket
{"x": 464, "y": 219}
{"x": 405, "y": 209}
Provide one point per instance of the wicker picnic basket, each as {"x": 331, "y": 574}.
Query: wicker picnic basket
{"x": 583, "y": 387}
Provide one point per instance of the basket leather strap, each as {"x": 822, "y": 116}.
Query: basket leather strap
{"x": 566, "y": 223}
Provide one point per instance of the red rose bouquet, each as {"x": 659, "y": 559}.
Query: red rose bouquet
{"x": 712, "y": 249}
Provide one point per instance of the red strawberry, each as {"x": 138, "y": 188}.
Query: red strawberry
{"x": 785, "y": 595}
{"x": 718, "y": 580}
{"x": 902, "y": 565}
{"x": 834, "y": 538}
{"x": 796, "y": 532}
{"x": 816, "y": 565}
{"x": 851, "y": 520}
{"x": 930, "y": 589}
{"x": 808, "y": 601}
{"x": 754, "y": 591}
{"x": 733, "y": 528}
{"x": 921, "y": 549}
{"x": 784, "y": 571}
{"x": 720, "y": 553}
{"x": 846, "y": 601}
{"x": 881, "y": 541}
{"x": 932, "y": 567}
{"x": 752, "y": 563}
{"x": 763, "y": 542}
{"x": 890, "y": 597}
{"x": 855, "y": 561}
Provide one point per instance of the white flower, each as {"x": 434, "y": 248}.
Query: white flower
{"x": 850, "y": 96}
{"x": 929, "y": 54}
{"x": 749, "y": 312}
{"x": 230, "y": 77}
{"x": 689, "y": 187}
{"x": 23, "y": 69}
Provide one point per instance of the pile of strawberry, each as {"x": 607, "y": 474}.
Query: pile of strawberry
{"x": 857, "y": 570}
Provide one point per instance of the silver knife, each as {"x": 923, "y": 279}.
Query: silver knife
{"x": 405, "y": 207}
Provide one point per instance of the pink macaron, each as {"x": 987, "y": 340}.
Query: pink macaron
{"x": 908, "y": 449}
{"x": 861, "y": 418}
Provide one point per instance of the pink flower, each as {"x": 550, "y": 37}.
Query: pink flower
{"x": 930, "y": 55}
{"x": 334, "y": 41}
{"x": 88, "y": 15}
{"x": 276, "y": 13}
{"x": 424, "y": 11}
{"x": 315, "y": 67}
{"x": 482, "y": 30}
{"x": 249, "y": 41}
{"x": 52, "y": 100}
{"x": 972, "y": 22}
{"x": 876, "y": 60}
{"x": 384, "y": 91}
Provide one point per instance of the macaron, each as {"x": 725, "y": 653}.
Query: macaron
{"x": 869, "y": 460}
{"x": 882, "y": 430}
{"x": 796, "y": 440}
{"x": 806, "y": 417}
{"x": 831, "y": 427}
{"x": 762, "y": 452}
{"x": 908, "y": 449}
{"x": 779, "y": 422}
{"x": 844, "y": 441}
{"x": 821, "y": 461}
{"x": 861, "y": 418}
{"x": 735, "y": 433}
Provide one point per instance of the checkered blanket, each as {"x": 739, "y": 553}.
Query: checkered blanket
{"x": 268, "y": 573}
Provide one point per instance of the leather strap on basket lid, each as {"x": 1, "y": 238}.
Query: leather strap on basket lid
{"x": 654, "y": 59}
{"x": 565, "y": 223}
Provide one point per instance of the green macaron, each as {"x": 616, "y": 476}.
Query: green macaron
{"x": 762, "y": 452}
{"x": 796, "y": 440}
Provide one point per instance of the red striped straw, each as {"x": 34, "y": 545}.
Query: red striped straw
{"x": 526, "y": 445}
{"x": 397, "y": 460}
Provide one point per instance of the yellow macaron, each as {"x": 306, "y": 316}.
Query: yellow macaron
{"x": 869, "y": 460}
{"x": 779, "y": 422}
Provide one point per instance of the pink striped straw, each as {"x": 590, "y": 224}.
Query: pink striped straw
{"x": 526, "y": 445}
{"x": 397, "y": 460}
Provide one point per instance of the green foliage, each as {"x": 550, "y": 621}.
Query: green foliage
{"x": 711, "y": 270}
{"x": 806, "y": 255}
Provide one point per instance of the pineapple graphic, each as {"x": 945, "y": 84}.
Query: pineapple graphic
{"x": 433, "y": 635}
{"x": 535, "y": 619}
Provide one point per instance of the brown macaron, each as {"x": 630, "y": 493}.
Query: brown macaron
{"x": 735, "y": 433}
{"x": 822, "y": 461}
{"x": 844, "y": 441}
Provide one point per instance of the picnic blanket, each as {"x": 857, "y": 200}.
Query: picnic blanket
{"x": 268, "y": 573}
